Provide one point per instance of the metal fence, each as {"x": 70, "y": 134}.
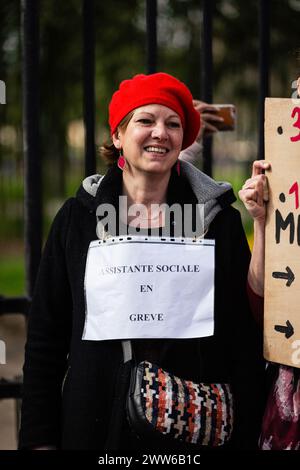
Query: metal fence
{"x": 33, "y": 191}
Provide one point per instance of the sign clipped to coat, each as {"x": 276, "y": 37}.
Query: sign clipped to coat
{"x": 282, "y": 256}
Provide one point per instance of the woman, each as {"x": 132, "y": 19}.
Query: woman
{"x": 71, "y": 385}
{"x": 281, "y": 423}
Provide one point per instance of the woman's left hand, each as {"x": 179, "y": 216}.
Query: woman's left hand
{"x": 254, "y": 193}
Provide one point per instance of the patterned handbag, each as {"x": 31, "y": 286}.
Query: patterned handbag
{"x": 159, "y": 403}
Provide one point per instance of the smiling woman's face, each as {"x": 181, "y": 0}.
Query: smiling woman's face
{"x": 152, "y": 140}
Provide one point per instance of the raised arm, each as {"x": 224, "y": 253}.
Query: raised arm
{"x": 254, "y": 195}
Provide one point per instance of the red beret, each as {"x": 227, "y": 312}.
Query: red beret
{"x": 157, "y": 88}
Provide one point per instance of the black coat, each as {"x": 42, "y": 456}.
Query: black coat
{"x": 70, "y": 384}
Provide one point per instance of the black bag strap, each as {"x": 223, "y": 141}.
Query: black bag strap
{"x": 127, "y": 350}
{"x": 121, "y": 390}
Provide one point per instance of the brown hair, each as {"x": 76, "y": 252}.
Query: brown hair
{"x": 108, "y": 151}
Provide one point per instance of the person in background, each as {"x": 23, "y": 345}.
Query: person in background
{"x": 209, "y": 119}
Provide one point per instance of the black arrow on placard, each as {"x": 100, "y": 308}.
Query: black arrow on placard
{"x": 288, "y": 329}
{"x": 289, "y": 275}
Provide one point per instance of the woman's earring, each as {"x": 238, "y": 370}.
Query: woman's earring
{"x": 121, "y": 160}
{"x": 178, "y": 167}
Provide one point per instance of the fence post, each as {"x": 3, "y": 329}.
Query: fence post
{"x": 89, "y": 85}
{"x": 32, "y": 155}
{"x": 151, "y": 17}
{"x": 207, "y": 75}
{"x": 264, "y": 49}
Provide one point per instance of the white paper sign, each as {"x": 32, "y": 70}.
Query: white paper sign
{"x": 141, "y": 287}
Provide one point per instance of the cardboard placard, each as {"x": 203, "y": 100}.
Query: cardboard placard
{"x": 282, "y": 256}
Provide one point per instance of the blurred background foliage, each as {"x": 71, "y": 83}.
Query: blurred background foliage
{"x": 120, "y": 53}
